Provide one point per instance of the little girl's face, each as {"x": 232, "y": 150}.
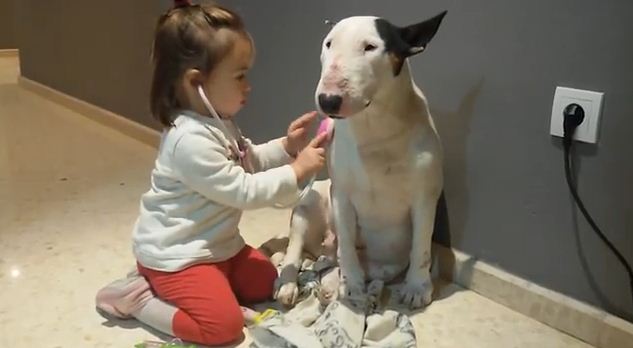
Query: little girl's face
{"x": 227, "y": 86}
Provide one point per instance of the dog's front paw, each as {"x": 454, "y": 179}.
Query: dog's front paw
{"x": 286, "y": 293}
{"x": 417, "y": 291}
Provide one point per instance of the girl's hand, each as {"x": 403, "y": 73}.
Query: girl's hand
{"x": 297, "y": 137}
{"x": 311, "y": 159}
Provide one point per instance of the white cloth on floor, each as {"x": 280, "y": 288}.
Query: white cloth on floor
{"x": 360, "y": 322}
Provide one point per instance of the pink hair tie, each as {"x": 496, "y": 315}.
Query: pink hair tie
{"x": 181, "y": 3}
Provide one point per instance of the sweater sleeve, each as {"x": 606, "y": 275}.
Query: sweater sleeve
{"x": 202, "y": 164}
{"x": 269, "y": 155}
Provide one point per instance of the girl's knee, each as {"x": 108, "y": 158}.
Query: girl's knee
{"x": 253, "y": 276}
{"x": 228, "y": 331}
{"x": 269, "y": 273}
{"x": 262, "y": 285}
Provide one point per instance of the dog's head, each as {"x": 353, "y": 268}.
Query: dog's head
{"x": 361, "y": 54}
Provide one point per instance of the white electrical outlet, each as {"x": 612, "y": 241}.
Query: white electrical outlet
{"x": 591, "y": 102}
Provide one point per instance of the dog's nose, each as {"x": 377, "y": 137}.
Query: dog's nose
{"x": 329, "y": 103}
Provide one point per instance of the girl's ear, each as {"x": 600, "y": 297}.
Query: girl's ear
{"x": 192, "y": 78}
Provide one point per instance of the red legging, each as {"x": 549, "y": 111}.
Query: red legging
{"x": 207, "y": 295}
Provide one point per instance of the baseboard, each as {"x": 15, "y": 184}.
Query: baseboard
{"x": 107, "y": 118}
{"x": 12, "y": 52}
{"x": 556, "y": 310}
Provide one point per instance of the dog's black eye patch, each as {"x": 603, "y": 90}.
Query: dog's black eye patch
{"x": 390, "y": 35}
{"x": 395, "y": 46}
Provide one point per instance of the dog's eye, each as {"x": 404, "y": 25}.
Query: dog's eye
{"x": 370, "y": 47}
{"x": 328, "y": 44}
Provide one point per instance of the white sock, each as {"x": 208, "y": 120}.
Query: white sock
{"x": 158, "y": 315}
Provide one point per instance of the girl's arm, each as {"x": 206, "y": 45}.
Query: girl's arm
{"x": 202, "y": 164}
{"x": 268, "y": 155}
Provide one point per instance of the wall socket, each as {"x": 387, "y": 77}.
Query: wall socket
{"x": 591, "y": 103}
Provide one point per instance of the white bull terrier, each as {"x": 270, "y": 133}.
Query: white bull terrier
{"x": 385, "y": 163}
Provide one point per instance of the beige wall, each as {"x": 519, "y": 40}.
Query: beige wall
{"x": 8, "y": 37}
{"x": 97, "y": 51}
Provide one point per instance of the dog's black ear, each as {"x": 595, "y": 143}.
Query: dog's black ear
{"x": 418, "y": 35}
{"x": 401, "y": 43}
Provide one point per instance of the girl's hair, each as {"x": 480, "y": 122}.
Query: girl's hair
{"x": 187, "y": 37}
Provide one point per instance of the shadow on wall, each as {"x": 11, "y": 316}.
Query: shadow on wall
{"x": 454, "y": 129}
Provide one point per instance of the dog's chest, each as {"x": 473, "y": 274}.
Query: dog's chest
{"x": 377, "y": 177}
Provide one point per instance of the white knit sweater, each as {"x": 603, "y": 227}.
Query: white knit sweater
{"x": 191, "y": 213}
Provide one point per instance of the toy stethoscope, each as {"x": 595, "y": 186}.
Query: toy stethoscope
{"x": 240, "y": 151}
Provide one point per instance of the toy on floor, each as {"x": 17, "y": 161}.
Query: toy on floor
{"x": 263, "y": 316}
{"x": 176, "y": 343}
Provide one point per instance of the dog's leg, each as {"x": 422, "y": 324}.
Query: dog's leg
{"x": 352, "y": 281}
{"x": 418, "y": 288}
{"x": 286, "y": 290}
